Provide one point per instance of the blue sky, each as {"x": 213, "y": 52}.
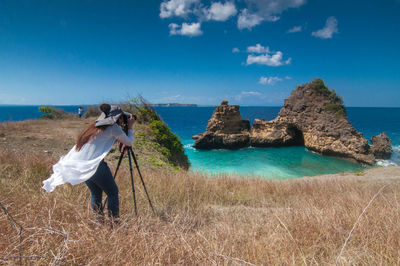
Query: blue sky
{"x": 250, "y": 52}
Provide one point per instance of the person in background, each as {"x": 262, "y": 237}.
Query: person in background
{"x": 80, "y": 111}
{"x": 85, "y": 161}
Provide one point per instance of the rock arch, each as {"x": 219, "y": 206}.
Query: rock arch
{"x": 296, "y": 134}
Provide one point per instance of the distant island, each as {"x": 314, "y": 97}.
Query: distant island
{"x": 173, "y": 104}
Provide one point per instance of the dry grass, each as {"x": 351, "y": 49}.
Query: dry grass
{"x": 200, "y": 220}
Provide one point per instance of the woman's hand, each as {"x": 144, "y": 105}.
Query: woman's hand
{"x": 131, "y": 120}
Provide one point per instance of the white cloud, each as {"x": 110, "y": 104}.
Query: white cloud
{"x": 258, "y": 11}
{"x": 220, "y": 12}
{"x": 247, "y": 94}
{"x": 269, "y": 80}
{"x": 250, "y": 93}
{"x": 172, "y": 98}
{"x": 186, "y": 29}
{"x": 258, "y": 48}
{"x": 247, "y": 20}
{"x": 268, "y": 59}
{"x": 178, "y": 8}
{"x": 295, "y": 29}
{"x": 173, "y": 28}
{"x": 329, "y": 29}
{"x": 253, "y": 13}
{"x": 235, "y": 50}
{"x": 272, "y": 80}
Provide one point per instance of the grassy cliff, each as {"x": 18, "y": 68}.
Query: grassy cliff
{"x": 152, "y": 134}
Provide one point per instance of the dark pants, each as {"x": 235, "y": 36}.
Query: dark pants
{"x": 101, "y": 181}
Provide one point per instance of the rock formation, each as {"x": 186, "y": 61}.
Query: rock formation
{"x": 313, "y": 116}
{"x": 225, "y": 130}
{"x": 381, "y": 146}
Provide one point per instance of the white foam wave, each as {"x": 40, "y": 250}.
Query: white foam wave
{"x": 385, "y": 163}
{"x": 394, "y": 159}
{"x": 396, "y": 148}
{"x": 189, "y": 146}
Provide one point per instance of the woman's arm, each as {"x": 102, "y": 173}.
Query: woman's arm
{"x": 120, "y": 135}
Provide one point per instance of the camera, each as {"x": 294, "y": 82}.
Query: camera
{"x": 125, "y": 118}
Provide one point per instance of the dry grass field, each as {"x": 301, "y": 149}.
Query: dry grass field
{"x": 342, "y": 219}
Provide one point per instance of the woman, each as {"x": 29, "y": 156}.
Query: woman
{"x": 85, "y": 161}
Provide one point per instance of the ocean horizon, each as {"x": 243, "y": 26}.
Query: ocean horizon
{"x": 269, "y": 163}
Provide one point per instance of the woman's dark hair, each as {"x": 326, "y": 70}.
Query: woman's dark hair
{"x": 87, "y": 134}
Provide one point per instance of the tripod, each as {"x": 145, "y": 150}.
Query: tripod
{"x": 131, "y": 155}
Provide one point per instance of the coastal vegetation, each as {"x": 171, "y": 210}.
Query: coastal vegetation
{"x": 336, "y": 106}
{"x": 50, "y": 112}
{"x": 337, "y": 109}
{"x": 152, "y": 132}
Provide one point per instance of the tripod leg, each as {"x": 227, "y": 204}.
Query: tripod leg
{"x": 141, "y": 178}
{"x": 119, "y": 163}
{"x": 115, "y": 174}
{"x": 133, "y": 185}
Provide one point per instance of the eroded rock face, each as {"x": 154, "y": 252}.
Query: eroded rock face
{"x": 381, "y": 146}
{"x": 225, "y": 130}
{"x": 272, "y": 134}
{"x": 313, "y": 116}
{"x": 319, "y": 115}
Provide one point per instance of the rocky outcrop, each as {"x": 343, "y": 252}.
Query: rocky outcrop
{"x": 225, "y": 130}
{"x": 381, "y": 146}
{"x": 313, "y": 116}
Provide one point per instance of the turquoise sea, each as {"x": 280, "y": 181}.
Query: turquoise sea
{"x": 270, "y": 163}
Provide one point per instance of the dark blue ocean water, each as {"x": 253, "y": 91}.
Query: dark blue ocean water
{"x": 25, "y": 112}
{"x": 271, "y": 163}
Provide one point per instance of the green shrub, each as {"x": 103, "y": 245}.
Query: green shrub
{"x": 169, "y": 145}
{"x": 337, "y": 109}
{"x": 336, "y": 106}
{"x": 335, "y": 98}
{"x": 172, "y": 148}
{"x": 320, "y": 88}
{"x": 143, "y": 110}
{"x": 52, "y": 113}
